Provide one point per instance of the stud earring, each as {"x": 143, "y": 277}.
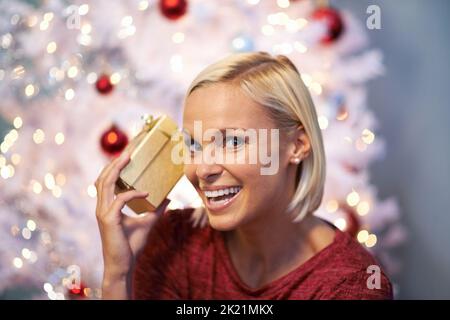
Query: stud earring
{"x": 297, "y": 160}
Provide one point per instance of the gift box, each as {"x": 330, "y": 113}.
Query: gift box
{"x": 151, "y": 167}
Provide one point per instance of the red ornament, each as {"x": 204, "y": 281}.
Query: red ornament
{"x": 78, "y": 292}
{"x": 113, "y": 141}
{"x": 104, "y": 85}
{"x": 333, "y": 21}
{"x": 173, "y": 9}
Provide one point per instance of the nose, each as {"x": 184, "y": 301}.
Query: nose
{"x": 208, "y": 172}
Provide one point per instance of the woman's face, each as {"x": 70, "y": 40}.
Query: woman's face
{"x": 235, "y": 189}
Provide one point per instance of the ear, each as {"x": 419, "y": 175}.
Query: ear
{"x": 301, "y": 146}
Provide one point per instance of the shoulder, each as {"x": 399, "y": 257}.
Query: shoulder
{"x": 351, "y": 272}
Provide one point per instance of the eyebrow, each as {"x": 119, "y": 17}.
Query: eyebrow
{"x": 221, "y": 130}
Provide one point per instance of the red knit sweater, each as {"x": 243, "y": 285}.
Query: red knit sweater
{"x": 185, "y": 262}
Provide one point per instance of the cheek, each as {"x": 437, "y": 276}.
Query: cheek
{"x": 190, "y": 172}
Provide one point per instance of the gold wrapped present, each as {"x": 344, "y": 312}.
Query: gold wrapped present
{"x": 151, "y": 168}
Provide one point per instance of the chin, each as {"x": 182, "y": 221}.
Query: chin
{"x": 224, "y": 222}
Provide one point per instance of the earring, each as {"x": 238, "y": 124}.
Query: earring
{"x": 297, "y": 160}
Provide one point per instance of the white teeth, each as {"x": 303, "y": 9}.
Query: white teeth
{"x": 221, "y": 192}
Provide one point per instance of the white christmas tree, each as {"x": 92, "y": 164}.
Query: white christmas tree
{"x": 72, "y": 74}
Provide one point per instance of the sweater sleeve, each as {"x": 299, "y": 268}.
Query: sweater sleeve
{"x": 160, "y": 269}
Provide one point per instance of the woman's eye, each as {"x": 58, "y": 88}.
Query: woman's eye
{"x": 192, "y": 145}
{"x": 234, "y": 142}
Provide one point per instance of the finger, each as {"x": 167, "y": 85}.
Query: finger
{"x": 99, "y": 183}
{"x": 111, "y": 177}
{"x": 117, "y": 205}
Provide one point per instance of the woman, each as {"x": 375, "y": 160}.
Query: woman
{"x": 261, "y": 239}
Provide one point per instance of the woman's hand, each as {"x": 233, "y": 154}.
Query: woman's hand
{"x": 122, "y": 237}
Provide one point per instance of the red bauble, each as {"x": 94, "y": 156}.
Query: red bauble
{"x": 104, "y": 85}
{"x": 77, "y": 293}
{"x": 113, "y": 141}
{"x": 173, "y": 9}
{"x": 332, "y": 20}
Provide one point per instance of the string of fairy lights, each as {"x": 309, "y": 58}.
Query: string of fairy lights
{"x": 72, "y": 69}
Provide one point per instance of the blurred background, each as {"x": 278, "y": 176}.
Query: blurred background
{"x": 76, "y": 78}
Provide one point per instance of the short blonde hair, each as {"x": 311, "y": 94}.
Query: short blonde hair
{"x": 275, "y": 83}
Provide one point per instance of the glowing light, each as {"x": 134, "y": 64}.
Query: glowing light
{"x": 56, "y": 191}
{"x": 267, "y": 30}
{"x": 371, "y": 241}
{"x": 363, "y": 235}
{"x": 52, "y": 295}
{"x": 59, "y": 138}
{"x": 26, "y": 253}
{"x": 31, "y": 225}
{"x": 300, "y": 47}
{"x": 363, "y": 208}
{"x": 33, "y": 257}
{"x": 283, "y": 3}
{"x": 60, "y": 179}
{"x": 36, "y": 186}
{"x": 253, "y": 2}
{"x": 44, "y": 25}
{"x": 6, "y": 172}
{"x": 143, "y": 5}
{"x": 17, "y": 122}
{"x": 341, "y": 223}
{"x": 84, "y": 39}
{"x": 26, "y": 233}
{"x": 178, "y": 37}
{"x": 368, "y": 136}
{"x": 72, "y": 72}
{"x": 91, "y": 77}
{"x": 353, "y": 198}
{"x": 15, "y": 159}
{"x": 323, "y": 122}
{"x": 38, "y": 136}
{"x": 86, "y": 28}
{"x": 83, "y": 9}
{"x": 6, "y": 40}
{"x": 342, "y": 114}
{"x": 127, "y": 21}
{"x": 115, "y": 78}
{"x": 92, "y": 191}
{"x": 29, "y": 90}
{"x": 2, "y": 161}
{"x": 51, "y": 47}
{"x": 332, "y": 206}
{"x": 18, "y": 263}
{"x": 48, "y": 287}
{"x": 316, "y": 88}
{"x": 31, "y": 21}
{"x": 49, "y": 181}
{"x": 18, "y": 72}
{"x": 48, "y": 16}
{"x": 69, "y": 94}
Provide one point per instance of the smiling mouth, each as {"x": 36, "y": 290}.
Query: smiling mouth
{"x": 219, "y": 199}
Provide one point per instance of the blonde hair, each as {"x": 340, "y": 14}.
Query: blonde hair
{"x": 275, "y": 83}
